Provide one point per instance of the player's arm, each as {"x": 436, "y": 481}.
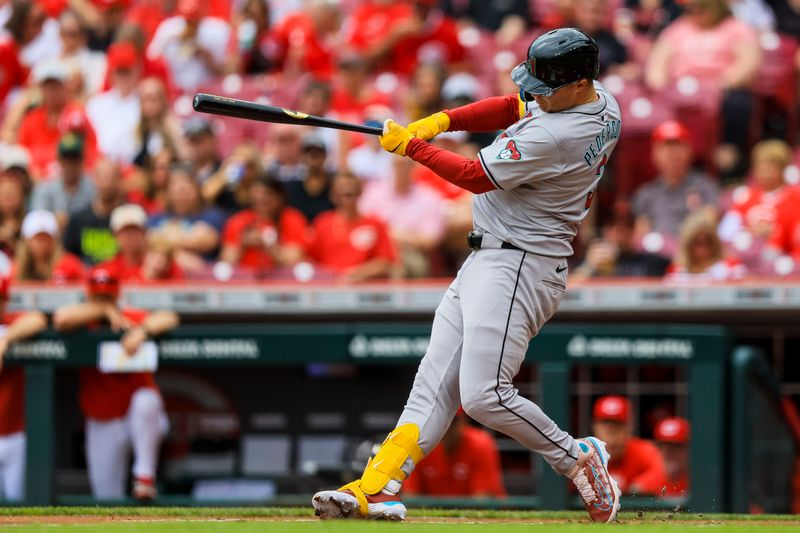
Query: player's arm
{"x": 155, "y": 324}
{"x": 458, "y": 170}
{"x": 75, "y": 316}
{"x": 24, "y": 327}
{"x": 489, "y": 114}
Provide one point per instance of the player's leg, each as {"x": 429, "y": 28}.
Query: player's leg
{"x": 148, "y": 424}
{"x": 12, "y": 466}
{"x": 518, "y": 293}
{"x": 431, "y": 406}
{"x": 107, "y": 454}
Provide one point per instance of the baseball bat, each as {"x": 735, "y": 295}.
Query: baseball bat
{"x": 231, "y": 107}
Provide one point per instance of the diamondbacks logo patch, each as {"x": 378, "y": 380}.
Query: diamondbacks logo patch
{"x": 510, "y": 152}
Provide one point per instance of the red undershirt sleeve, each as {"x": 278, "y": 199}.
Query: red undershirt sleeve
{"x": 489, "y": 114}
{"x": 458, "y": 170}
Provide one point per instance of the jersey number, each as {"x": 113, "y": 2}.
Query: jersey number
{"x": 601, "y": 168}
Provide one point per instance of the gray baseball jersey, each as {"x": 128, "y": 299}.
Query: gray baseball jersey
{"x": 546, "y": 168}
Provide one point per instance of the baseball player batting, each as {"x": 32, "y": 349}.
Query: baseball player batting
{"x": 533, "y": 186}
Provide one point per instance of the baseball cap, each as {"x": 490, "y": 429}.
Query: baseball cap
{"x": 14, "y": 156}
{"x": 190, "y": 9}
{"x": 612, "y": 409}
{"x": 51, "y": 70}
{"x": 461, "y": 85}
{"x": 103, "y": 281}
{"x": 312, "y": 140}
{"x": 128, "y": 215}
{"x": 39, "y": 221}
{"x": 196, "y": 126}
{"x": 122, "y": 55}
{"x": 671, "y": 130}
{"x": 70, "y": 146}
{"x": 673, "y": 429}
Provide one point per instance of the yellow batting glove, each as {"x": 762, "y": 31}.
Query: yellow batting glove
{"x": 429, "y": 127}
{"x": 395, "y": 137}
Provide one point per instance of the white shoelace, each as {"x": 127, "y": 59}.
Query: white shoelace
{"x": 584, "y": 487}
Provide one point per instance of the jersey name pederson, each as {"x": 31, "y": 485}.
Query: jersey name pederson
{"x": 611, "y": 131}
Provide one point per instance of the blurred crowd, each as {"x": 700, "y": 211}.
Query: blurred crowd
{"x": 103, "y": 161}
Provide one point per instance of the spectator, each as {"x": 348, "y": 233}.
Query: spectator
{"x": 353, "y": 93}
{"x": 152, "y": 67}
{"x": 36, "y": 35}
{"x": 425, "y": 96}
{"x": 700, "y": 254}
{"x": 115, "y": 113}
{"x": 129, "y": 225}
{"x": 88, "y": 234}
{"x": 710, "y": 45}
{"x": 312, "y": 195}
{"x": 158, "y": 128}
{"x": 767, "y": 208}
{"x": 614, "y": 254}
{"x": 304, "y": 39}
{"x": 14, "y": 163}
{"x": 72, "y": 191}
{"x": 662, "y": 205}
{"x": 12, "y": 211}
{"x": 672, "y": 438}
{"x": 593, "y": 18}
{"x": 413, "y": 213}
{"x": 283, "y": 153}
{"x": 465, "y": 463}
{"x": 202, "y": 148}
{"x": 149, "y": 185}
{"x": 102, "y": 17}
{"x": 506, "y": 20}
{"x": 315, "y": 99}
{"x": 90, "y": 65}
{"x": 15, "y": 327}
{"x": 252, "y": 48}
{"x": 13, "y": 72}
{"x": 187, "y": 226}
{"x": 192, "y": 44}
{"x": 42, "y": 127}
{"x": 123, "y": 410}
{"x": 267, "y": 235}
{"x": 635, "y": 463}
{"x": 228, "y": 188}
{"x": 40, "y": 256}
{"x": 354, "y": 246}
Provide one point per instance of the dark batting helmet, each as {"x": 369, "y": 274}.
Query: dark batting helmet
{"x": 556, "y": 59}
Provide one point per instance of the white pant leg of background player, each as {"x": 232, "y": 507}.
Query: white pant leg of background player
{"x": 12, "y": 466}
{"x": 147, "y": 423}
{"x": 505, "y": 303}
{"x": 434, "y": 398}
{"x": 108, "y": 449}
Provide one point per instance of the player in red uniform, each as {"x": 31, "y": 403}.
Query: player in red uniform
{"x": 635, "y": 463}
{"x": 465, "y": 463}
{"x": 12, "y": 397}
{"x": 123, "y": 410}
{"x": 672, "y": 437}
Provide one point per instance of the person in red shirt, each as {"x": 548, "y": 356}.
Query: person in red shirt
{"x": 266, "y": 235}
{"x": 129, "y": 225}
{"x": 40, "y": 256}
{"x": 672, "y": 437}
{"x": 352, "y": 245}
{"x": 42, "y": 127}
{"x": 123, "y": 410}
{"x": 352, "y": 92}
{"x": 12, "y": 397}
{"x": 635, "y": 463}
{"x": 302, "y": 40}
{"x": 465, "y": 463}
{"x": 13, "y": 72}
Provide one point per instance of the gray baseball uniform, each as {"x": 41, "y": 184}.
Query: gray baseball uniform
{"x": 546, "y": 168}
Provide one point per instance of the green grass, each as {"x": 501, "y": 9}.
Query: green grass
{"x": 301, "y": 520}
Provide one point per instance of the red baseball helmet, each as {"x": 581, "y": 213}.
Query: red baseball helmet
{"x": 103, "y": 281}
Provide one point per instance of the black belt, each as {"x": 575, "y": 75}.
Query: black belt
{"x": 475, "y": 239}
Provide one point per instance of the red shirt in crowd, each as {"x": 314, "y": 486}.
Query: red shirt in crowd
{"x": 775, "y": 209}
{"x": 107, "y": 396}
{"x": 437, "y": 42}
{"x": 641, "y": 468}
{"x": 68, "y": 268}
{"x": 12, "y": 72}
{"x": 12, "y": 394}
{"x": 41, "y": 137}
{"x": 371, "y": 22}
{"x": 296, "y": 40}
{"x": 472, "y": 470}
{"x": 132, "y": 273}
{"x": 291, "y": 229}
{"x": 339, "y": 243}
